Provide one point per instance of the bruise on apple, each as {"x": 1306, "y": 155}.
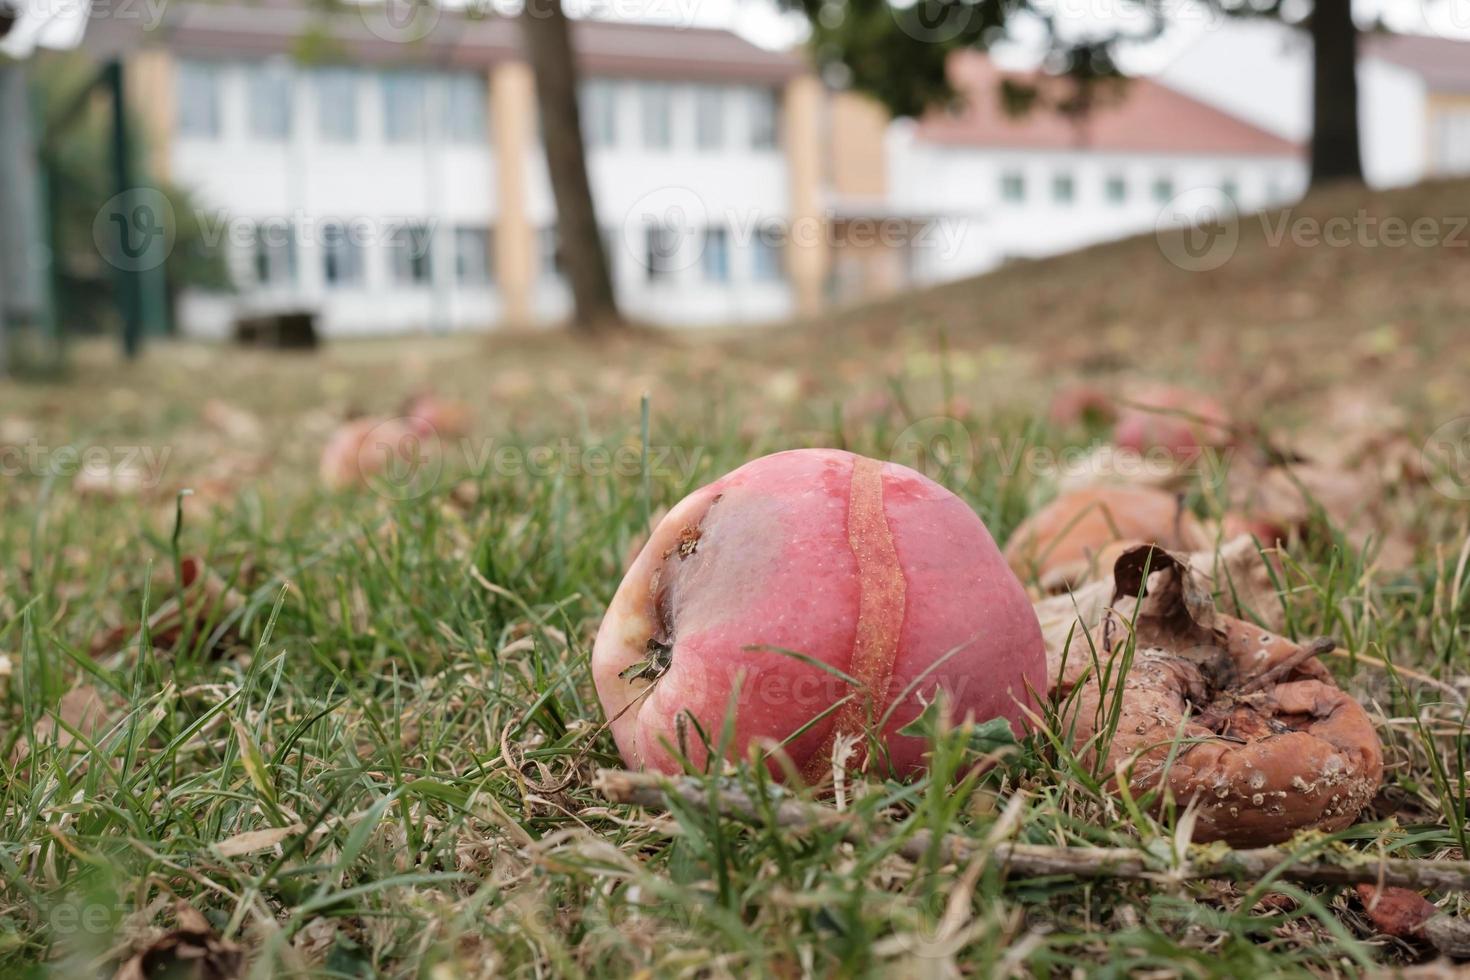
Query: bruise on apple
{"x": 806, "y": 596}
{"x": 1218, "y": 712}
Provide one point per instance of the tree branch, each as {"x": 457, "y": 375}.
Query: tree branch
{"x": 654, "y": 791}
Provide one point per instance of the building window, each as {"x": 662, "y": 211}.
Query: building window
{"x": 763, "y": 116}
{"x": 1163, "y": 190}
{"x": 341, "y": 256}
{"x": 269, "y": 90}
{"x": 1012, "y": 187}
{"x": 1450, "y": 140}
{"x": 403, "y": 107}
{"x": 1117, "y": 189}
{"x": 466, "y": 117}
{"x": 767, "y": 264}
{"x": 600, "y": 113}
{"x": 1063, "y": 188}
{"x": 409, "y": 258}
{"x": 336, "y": 105}
{"x": 472, "y": 256}
{"x": 658, "y": 110}
{"x": 709, "y": 117}
{"x": 660, "y": 252}
{"x": 198, "y": 100}
{"x": 274, "y": 253}
{"x": 715, "y": 259}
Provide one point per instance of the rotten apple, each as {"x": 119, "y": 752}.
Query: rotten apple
{"x": 1180, "y": 421}
{"x": 805, "y": 596}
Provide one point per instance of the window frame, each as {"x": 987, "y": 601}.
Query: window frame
{"x": 1013, "y": 186}
{"x": 486, "y": 275}
{"x": 656, "y": 139}
{"x": 712, "y": 234}
{"x": 347, "y": 247}
{"x": 707, "y": 97}
{"x": 324, "y": 79}
{"x": 279, "y": 82}
{"x": 194, "y": 80}
{"x": 404, "y": 80}
{"x": 410, "y": 247}
{"x": 763, "y": 129}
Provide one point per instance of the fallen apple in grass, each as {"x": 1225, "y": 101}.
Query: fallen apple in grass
{"x": 805, "y": 596}
{"x": 1180, "y": 421}
{"x": 1064, "y": 542}
{"x": 1245, "y": 725}
{"x": 368, "y": 448}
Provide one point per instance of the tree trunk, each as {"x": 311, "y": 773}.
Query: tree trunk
{"x": 549, "y": 44}
{"x": 1336, "y": 153}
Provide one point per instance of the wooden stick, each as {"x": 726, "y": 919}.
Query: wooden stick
{"x": 654, "y": 792}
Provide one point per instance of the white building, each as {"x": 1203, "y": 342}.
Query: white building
{"x": 1043, "y": 183}
{"x": 390, "y": 177}
{"x": 398, "y": 184}
{"x": 1414, "y": 93}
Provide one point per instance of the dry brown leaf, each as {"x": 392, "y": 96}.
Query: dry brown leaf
{"x": 80, "y": 709}
{"x": 1277, "y": 501}
{"x": 192, "y": 950}
{"x": 1236, "y": 576}
{"x": 230, "y": 421}
{"x": 251, "y": 841}
{"x": 204, "y": 602}
{"x": 1397, "y": 911}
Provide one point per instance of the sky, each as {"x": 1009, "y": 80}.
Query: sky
{"x": 58, "y": 23}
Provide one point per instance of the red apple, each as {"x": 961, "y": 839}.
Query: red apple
{"x": 444, "y": 416}
{"x": 863, "y": 566}
{"x": 367, "y": 447}
{"x": 1080, "y": 402}
{"x": 1178, "y": 420}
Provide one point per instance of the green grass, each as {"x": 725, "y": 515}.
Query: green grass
{"x": 386, "y": 650}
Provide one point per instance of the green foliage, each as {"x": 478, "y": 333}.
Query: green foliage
{"x": 899, "y": 52}
{"x": 76, "y": 155}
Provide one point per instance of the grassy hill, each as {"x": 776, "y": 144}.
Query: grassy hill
{"x": 380, "y": 762}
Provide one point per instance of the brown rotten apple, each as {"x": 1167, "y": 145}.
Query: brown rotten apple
{"x": 1064, "y": 542}
{"x": 1245, "y": 725}
{"x": 807, "y": 595}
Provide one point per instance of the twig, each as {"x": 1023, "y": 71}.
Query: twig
{"x": 1309, "y": 651}
{"x": 1422, "y": 678}
{"x": 654, "y": 792}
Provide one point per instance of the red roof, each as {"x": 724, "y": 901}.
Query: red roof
{"x": 1443, "y": 63}
{"x": 1143, "y": 116}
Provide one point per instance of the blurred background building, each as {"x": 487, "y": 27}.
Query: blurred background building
{"x": 1414, "y": 92}
{"x": 390, "y": 178}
